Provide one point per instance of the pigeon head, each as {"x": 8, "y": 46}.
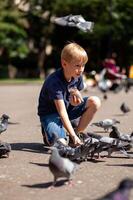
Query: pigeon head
{"x": 4, "y": 116}
{"x": 116, "y": 121}
{"x": 114, "y": 128}
{"x": 126, "y": 184}
{"x": 114, "y": 133}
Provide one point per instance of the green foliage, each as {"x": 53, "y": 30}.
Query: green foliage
{"x": 29, "y": 32}
{"x": 13, "y": 36}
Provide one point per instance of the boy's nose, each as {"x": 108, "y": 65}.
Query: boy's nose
{"x": 81, "y": 69}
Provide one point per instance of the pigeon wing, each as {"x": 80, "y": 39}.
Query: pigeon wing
{"x": 85, "y": 26}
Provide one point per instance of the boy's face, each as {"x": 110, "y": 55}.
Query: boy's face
{"x": 74, "y": 68}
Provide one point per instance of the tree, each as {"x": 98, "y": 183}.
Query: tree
{"x": 13, "y": 37}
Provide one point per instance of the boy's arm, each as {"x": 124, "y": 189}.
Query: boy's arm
{"x": 60, "y": 106}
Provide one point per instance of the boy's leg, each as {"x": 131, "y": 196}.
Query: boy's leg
{"x": 85, "y": 112}
{"x": 93, "y": 103}
{"x": 52, "y": 129}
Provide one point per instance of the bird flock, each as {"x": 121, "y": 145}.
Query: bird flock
{"x": 63, "y": 159}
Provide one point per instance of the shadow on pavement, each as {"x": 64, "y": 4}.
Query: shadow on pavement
{"x": 46, "y": 185}
{"x": 40, "y": 164}
{"x": 120, "y": 115}
{"x": 121, "y": 165}
{"x": 30, "y": 147}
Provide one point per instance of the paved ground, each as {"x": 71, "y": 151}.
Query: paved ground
{"x": 25, "y": 175}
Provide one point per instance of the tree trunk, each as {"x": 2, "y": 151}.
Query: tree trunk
{"x": 12, "y": 71}
{"x": 41, "y": 63}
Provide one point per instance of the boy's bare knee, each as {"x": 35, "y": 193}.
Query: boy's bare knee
{"x": 94, "y": 101}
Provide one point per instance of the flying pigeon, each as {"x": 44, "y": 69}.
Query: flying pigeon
{"x": 124, "y": 108}
{"x": 106, "y": 123}
{"x": 60, "y": 167}
{"x": 122, "y": 192}
{"x": 74, "y": 21}
{"x": 3, "y": 123}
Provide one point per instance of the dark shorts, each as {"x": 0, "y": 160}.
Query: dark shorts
{"x": 52, "y": 123}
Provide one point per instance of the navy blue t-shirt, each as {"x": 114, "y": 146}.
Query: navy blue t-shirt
{"x": 56, "y": 87}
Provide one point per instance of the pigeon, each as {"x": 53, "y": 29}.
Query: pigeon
{"x": 88, "y": 147}
{"x": 78, "y": 153}
{"x": 105, "y": 96}
{"x": 74, "y": 21}
{"x": 106, "y": 123}
{"x": 103, "y": 84}
{"x": 107, "y": 144}
{"x": 122, "y": 192}
{"x": 60, "y": 167}
{"x": 128, "y": 84}
{"x": 126, "y": 139}
{"x": 5, "y": 149}
{"x": 115, "y": 133}
{"x": 100, "y": 143}
{"x": 3, "y": 123}
{"x": 124, "y": 108}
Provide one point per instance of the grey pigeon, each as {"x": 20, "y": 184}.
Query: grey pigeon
{"x": 75, "y": 21}
{"x": 107, "y": 144}
{"x": 100, "y": 143}
{"x": 114, "y": 146}
{"x": 5, "y": 149}
{"x": 128, "y": 84}
{"x": 103, "y": 84}
{"x": 106, "y": 123}
{"x": 66, "y": 151}
{"x": 126, "y": 139}
{"x": 122, "y": 192}
{"x": 3, "y": 123}
{"x": 88, "y": 147}
{"x": 124, "y": 108}
{"x": 60, "y": 167}
{"x": 115, "y": 133}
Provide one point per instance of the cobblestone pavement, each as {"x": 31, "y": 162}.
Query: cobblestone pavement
{"x": 25, "y": 174}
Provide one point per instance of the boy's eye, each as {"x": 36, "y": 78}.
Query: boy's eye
{"x": 79, "y": 66}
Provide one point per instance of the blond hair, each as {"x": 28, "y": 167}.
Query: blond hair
{"x": 73, "y": 51}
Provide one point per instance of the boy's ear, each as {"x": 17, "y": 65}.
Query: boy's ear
{"x": 63, "y": 63}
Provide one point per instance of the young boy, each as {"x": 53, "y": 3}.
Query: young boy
{"x": 60, "y": 101}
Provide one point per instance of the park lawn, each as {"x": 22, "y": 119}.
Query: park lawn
{"x": 20, "y": 81}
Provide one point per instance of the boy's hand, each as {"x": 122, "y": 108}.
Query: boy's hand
{"x": 76, "y": 140}
{"x": 75, "y": 97}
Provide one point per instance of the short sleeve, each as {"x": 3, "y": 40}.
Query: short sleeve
{"x": 55, "y": 91}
